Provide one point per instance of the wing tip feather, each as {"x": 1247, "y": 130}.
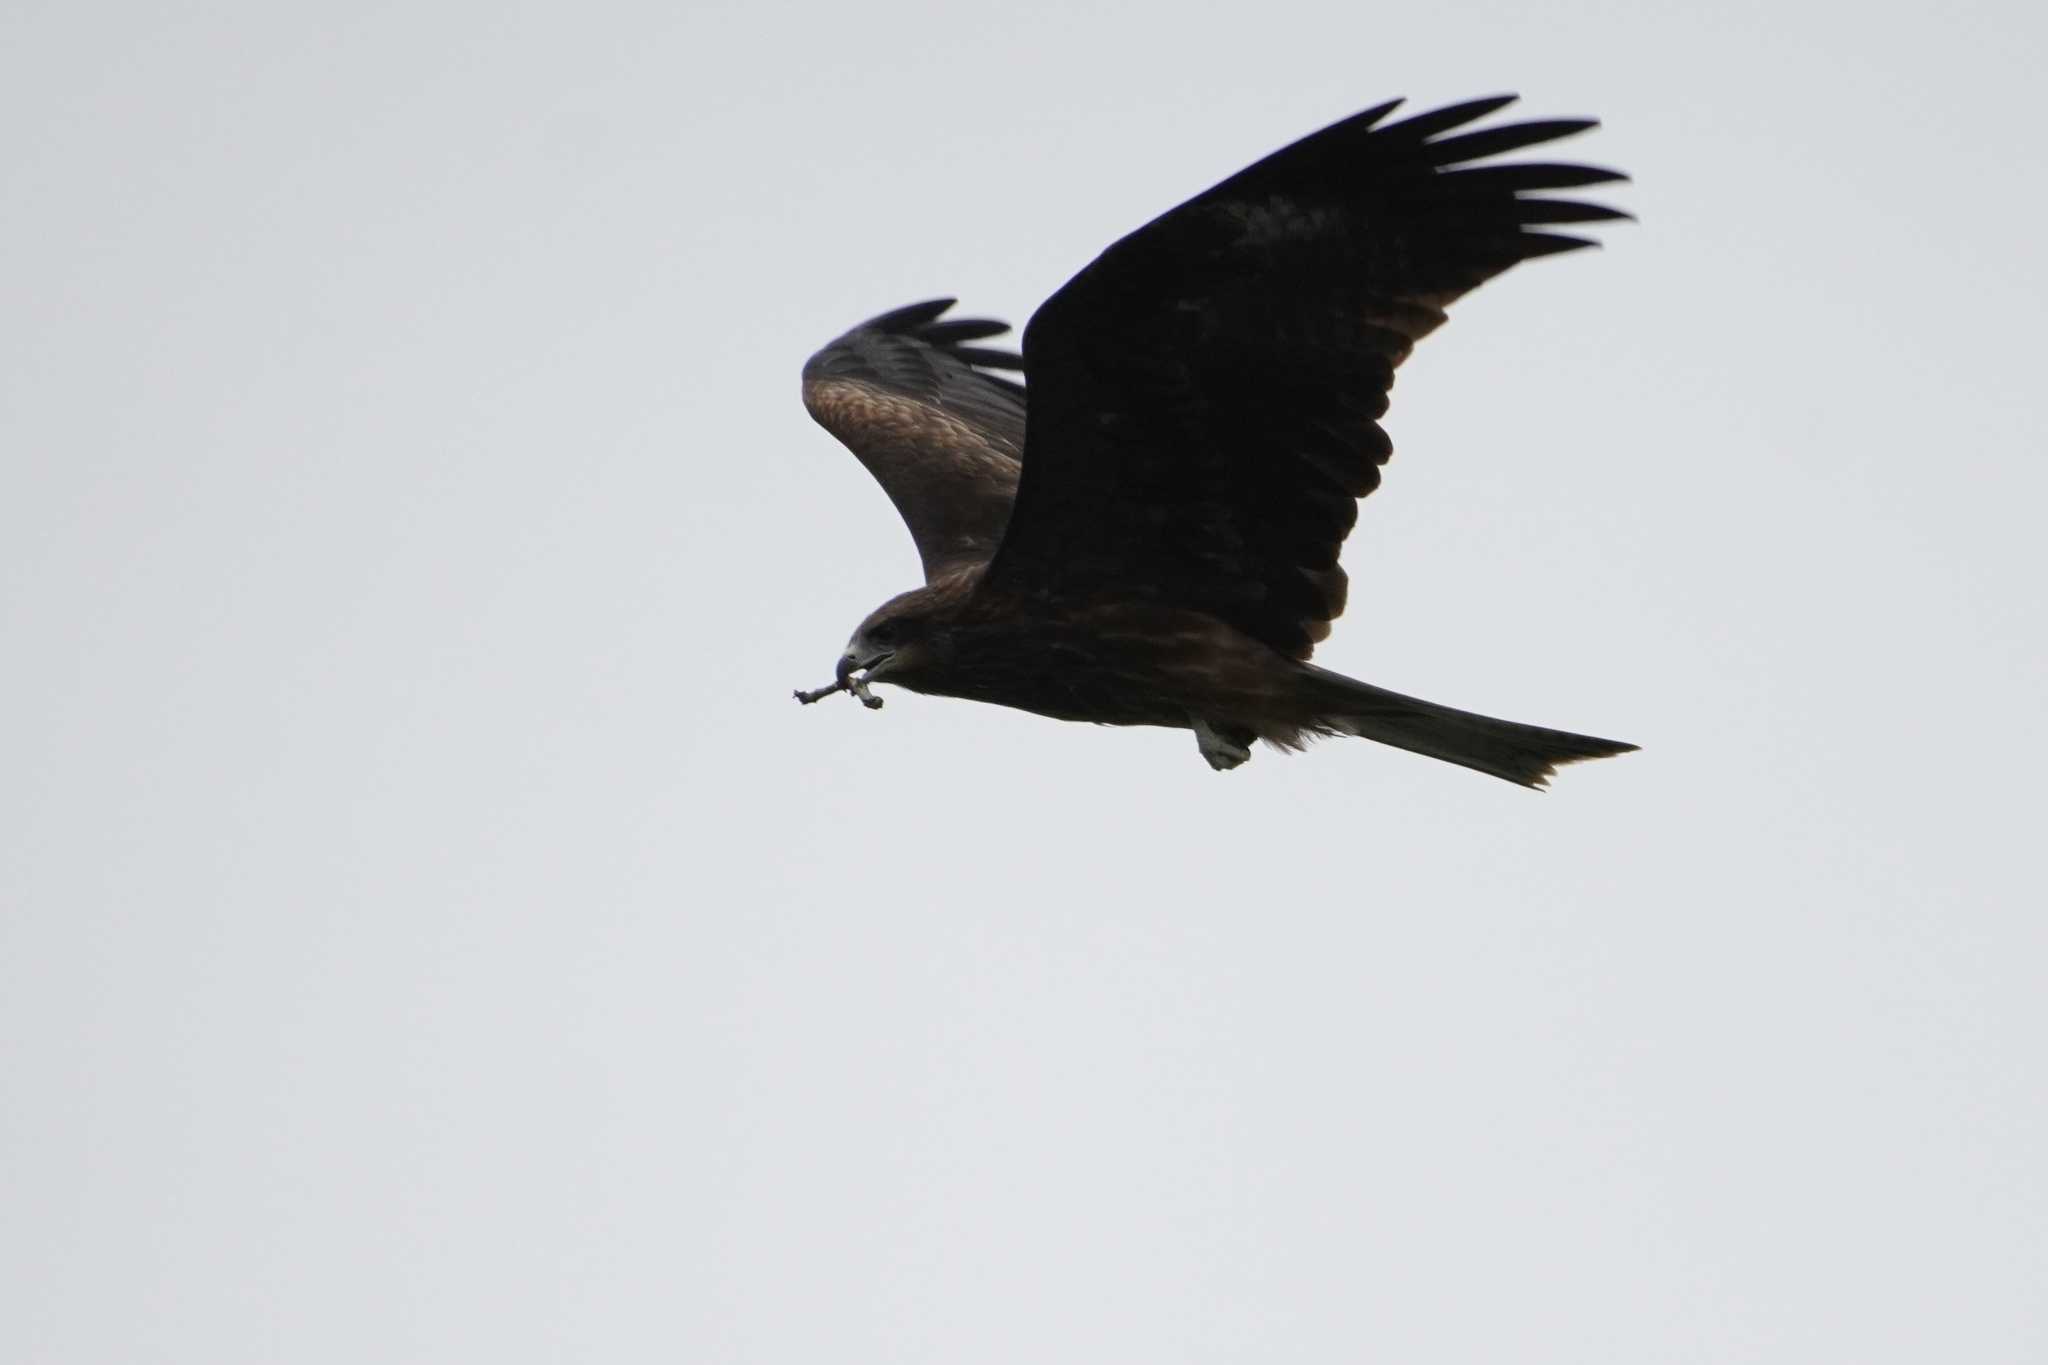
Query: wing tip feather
{"x": 907, "y": 317}
{"x": 917, "y": 326}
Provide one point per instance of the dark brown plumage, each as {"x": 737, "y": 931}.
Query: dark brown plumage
{"x": 1158, "y": 545}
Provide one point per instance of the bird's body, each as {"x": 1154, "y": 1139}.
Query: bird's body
{"x": 1157, "y": 544}
{"x": 1107, "y": 660}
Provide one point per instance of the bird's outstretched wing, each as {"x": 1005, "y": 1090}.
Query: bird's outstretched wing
{"x": 940, "y": 432}
{"x": 1205, "y": 395}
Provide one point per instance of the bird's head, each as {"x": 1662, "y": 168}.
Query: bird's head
{"x": 904, "y": 639}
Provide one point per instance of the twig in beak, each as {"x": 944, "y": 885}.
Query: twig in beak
{"x": 845, "y": 681}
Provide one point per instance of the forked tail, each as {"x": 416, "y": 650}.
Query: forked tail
{"x": 1528, "y": 754}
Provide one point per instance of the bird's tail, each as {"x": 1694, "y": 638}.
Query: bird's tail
{"x": 1528, "y": 754}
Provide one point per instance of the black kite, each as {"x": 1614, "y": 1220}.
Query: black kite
{"x": 1151, "y": 536}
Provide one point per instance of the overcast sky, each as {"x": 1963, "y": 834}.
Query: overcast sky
{"x": 430, "y": 932}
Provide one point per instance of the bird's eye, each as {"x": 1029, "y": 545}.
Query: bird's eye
{"x": 883, "y": 633}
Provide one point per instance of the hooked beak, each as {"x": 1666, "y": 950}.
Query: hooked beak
{"x": 843, "y": 680}
{"x": 851, "y": 663}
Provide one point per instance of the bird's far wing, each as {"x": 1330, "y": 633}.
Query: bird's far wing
{"x": 1206, "y": 393}
{"x": 942, "y": 434}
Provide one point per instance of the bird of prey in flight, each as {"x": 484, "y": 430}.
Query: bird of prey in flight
{"x": 1148, "y": 533}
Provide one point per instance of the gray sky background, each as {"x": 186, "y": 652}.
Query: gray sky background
{"x": 432, "y": 933}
